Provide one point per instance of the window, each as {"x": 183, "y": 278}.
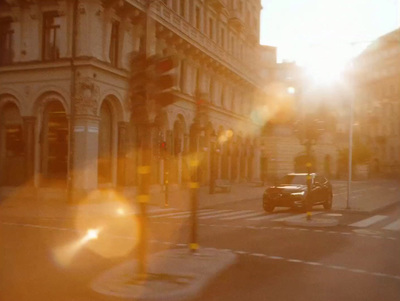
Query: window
{"x": 113, "y": 53}
{"x": 182, "y": 76}
{"x": 198, "y": 18}
{"x": 182, "y": 8}
{"x": 211, "y": 28}
{"x": 6, "y": 42}
{"x": 197, "y": 82}
{"x": 222, "y": 38}
{"x": 51, "y": 36}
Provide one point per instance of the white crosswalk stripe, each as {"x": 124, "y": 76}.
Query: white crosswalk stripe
{"x": 224, "y": 214}
{"x": 369, "y": 221}
{"x": 395, "y": 226}
{"x": 252, "y": 214}
{"x": 296, "y": 216}
{"x": 176, "y": 213}
{"x": 229, "y": 214}
{"x": 200, "y": 213}
{"x": 269, "y": 216}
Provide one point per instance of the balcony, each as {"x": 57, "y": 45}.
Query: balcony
{"x": 235, "y": 19}
{"x": 218, "y": 4}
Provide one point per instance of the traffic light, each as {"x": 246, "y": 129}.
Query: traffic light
{"x": 164, "y": 80}
{"x": 139, "y": 78}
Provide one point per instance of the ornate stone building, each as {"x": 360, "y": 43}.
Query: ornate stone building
{"x": 64, "y": 105}
{"x": 377, "y": 102}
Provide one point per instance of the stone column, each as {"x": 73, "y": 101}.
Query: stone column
{"x": 84, "y": 143}
{"x": 29, "y": 139}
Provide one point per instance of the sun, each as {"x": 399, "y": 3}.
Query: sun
{"x": 326, "y": 65}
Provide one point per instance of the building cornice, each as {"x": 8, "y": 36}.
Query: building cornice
{"x": 182, "y": 28}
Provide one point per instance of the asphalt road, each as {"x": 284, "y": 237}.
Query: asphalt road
{"x": 48, "y": 259}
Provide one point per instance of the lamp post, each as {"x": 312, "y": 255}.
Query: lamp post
{"x": 350, "y": 167}
{"x": 213, "y": 141}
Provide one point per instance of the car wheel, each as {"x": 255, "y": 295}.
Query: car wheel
{"x": 268, "y": 207}
{"x": 328, "y": 203}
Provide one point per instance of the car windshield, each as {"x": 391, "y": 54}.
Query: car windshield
{"x": 294, "y": 179}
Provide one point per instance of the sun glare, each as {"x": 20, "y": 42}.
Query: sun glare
{"x": 326, "y": 65}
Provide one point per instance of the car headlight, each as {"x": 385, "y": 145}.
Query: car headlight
{"x": 298, "y": 193}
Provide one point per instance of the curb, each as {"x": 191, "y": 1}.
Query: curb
{"x": 314, "y": 222}
{"x": 372, "y": 211}
{"x": 174, "y": 274}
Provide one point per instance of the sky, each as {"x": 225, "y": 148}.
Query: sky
{"x": 314, "y": 32}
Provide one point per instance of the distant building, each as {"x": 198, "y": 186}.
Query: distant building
{"x": 283, "y": 138}
{"x": 377, "y": 103}
{"x": 65, "y": 111}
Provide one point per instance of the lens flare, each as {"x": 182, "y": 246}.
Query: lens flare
{"x": 92, "y": 234}
{"x": 108, "y": 211}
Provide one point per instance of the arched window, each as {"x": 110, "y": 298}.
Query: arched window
{"x": 54, "y": 144}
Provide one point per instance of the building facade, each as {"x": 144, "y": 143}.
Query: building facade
{"x": 66, "y": 114}
{"x": 377, "y": 103}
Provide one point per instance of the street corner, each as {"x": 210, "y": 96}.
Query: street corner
{"x": 174, "y": 274}
{"x": 312, "y": 221}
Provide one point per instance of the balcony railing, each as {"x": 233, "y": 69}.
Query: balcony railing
{"x": 235, "y": 19}
{"x": 218, "y": 4}
{"x": 167, "y": 17}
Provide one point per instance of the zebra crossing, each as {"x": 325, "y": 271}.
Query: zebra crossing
{"x": 227, "y": 215}
{"x": 381, "y": 221}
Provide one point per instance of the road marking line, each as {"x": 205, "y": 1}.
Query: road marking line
{"x": 296, "y": 216}
{"x": 395, "y": 226}
{"x": 258, "y": 255}
{"x": 369, "y": 221}
{"x": 224, "y": 214}
{"x": 242, "y": 216}
{"x": 294, "y": 260}
{"x": 268, "y": 216}
{"x": 312, "y": 263}
{"x": 275, "y": 257}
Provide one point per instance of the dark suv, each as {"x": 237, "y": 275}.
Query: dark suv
{"x": 292, "y": 191}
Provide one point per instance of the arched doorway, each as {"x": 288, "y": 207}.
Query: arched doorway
{"x": 12, "y": 149}
{"x": 54, "y": 145}
{"x": 104, "y": 167}
{"x": 178, "y": 135}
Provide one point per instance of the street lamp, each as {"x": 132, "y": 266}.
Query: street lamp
{"x": 351, "y": 120}
{"x": 213, "y": 141}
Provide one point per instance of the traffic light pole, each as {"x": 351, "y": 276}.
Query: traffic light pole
{"x": 144, "y": 169}
{"x": 166, "y": 181}
{"x": 308, "y": 201}
{"x": 194, "y": 186}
